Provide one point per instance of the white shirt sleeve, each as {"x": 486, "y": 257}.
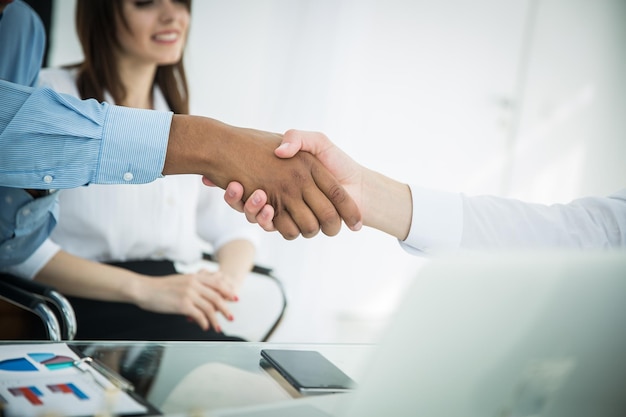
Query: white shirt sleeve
{"x": 445, "y": 222}
{"x": 585, "y": 223}
{"x": 437, "y": 223}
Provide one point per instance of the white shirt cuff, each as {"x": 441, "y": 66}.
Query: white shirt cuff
{"x": 437, "y": 223}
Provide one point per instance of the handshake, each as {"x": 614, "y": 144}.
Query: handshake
{"x": 296, "y": 183}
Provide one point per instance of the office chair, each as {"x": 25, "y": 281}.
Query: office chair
{"x": 29, "y": 304}
{"x": 25, "y": 300}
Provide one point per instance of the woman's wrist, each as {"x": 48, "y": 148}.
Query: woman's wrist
{"x": 133, "y": 289}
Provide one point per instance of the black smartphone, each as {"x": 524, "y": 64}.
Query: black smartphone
{"x": 308, "y": 371}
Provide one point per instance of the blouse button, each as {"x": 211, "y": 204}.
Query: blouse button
{"x": 128, "y": 176}
{"x": 48, "y": 179}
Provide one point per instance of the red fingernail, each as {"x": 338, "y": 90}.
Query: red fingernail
{"x": 235, "y": 298}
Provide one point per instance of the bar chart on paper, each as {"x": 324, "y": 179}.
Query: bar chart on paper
{"x": 42, "y": 379}
{"x": 34, "y": 394}
{"x": 49, "y": 360}
{"x": 52, "y": 361}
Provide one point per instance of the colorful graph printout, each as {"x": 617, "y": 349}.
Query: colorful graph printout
{"x": 68, "y": 389}
{"x": 49, "y": 379}
{"x": 52, "y": 361}
{"x": 49, "y": 360}
{"x": 32, "y": 394}
{"x": 17, "y": 365}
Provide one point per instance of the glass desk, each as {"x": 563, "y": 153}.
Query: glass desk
{"x": 188, "y": 377}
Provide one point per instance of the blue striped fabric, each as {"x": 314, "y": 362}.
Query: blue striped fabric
{"x": 22, "y": 43}
{"x": 52, "y": 140}
{"x": 142, "y": 136}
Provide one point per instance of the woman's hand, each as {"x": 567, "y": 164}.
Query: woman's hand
{"x": 200, "y": 296}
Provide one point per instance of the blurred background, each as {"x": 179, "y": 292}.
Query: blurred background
{"x": 518, "y": 98}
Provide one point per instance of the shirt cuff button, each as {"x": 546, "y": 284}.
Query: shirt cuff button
{"x": 48, "y": 179}
{"x": 128, "y": 176}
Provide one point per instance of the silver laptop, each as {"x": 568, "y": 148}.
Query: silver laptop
{"x": 495, "y": 335}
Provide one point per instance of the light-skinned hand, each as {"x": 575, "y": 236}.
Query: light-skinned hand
{"x": 200, "y": 296}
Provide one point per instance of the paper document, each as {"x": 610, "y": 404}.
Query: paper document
{"x": 51, "y": 379}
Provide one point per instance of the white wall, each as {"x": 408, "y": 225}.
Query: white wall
{"x": 515, "y": 97}
{"x": 572, "y": 135}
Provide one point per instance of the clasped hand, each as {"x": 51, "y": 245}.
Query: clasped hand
{"x": 201, "y": 296}
{"x": 305, "y": 195}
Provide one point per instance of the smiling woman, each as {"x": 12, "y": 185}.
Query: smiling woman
{"x": 133, "y": 57}
{"x": 146, "y": 44}
{"x": 150, "y": 31}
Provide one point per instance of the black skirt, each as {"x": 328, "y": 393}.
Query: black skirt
{"x": 104, "y": 320}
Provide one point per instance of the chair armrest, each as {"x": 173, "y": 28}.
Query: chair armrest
{"x": 33, "y": 303}
{"x": 268, "y": 274}
{"x": 263, "y": 270}
{"x": 34, "y": 296}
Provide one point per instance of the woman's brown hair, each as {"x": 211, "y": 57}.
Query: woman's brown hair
{"x": 96, "y": 28}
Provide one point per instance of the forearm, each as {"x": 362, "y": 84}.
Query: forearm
{"x": 184, "y": 147}
{"x": 194, "y": 145}
{"x": 236, "y": 260}
{"x": 79, "y": 277}
{"x": 221, "y": 152}
{"x": 387, "y": 204}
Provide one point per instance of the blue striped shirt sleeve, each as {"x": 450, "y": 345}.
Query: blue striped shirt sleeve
{"x": 51, "y": 140}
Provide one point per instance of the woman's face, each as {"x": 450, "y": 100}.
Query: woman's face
{"x": 155, "y": 30}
